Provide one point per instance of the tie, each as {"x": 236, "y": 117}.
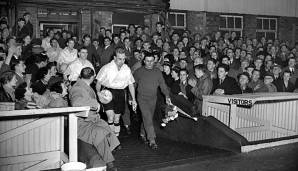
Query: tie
{"x": 220, "y": 81}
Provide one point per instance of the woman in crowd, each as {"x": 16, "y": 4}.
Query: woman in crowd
{"x": 167, "y": 73}
{"x": 175, "y": 87}
{"x": 54, "y": 51}
{"x": 26, "y": 48}
{"x": 185, "y": 88}
{"x": 55, "y": 76}
{"x": 58, "y": 92}
{"x": 46, "y": 41}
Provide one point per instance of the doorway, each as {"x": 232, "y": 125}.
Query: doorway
{"x": 44, "y": 26}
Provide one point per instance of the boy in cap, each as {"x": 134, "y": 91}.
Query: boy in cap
{"x": 268, "y": 81}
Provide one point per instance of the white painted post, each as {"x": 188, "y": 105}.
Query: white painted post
{"x": 233, "y": 116}
{"x": 73, "y": 138}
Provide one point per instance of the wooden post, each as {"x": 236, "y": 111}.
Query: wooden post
{"x": 62, "y": 135}
{"x": 233, "y": 116}
{"x": 296, "y": 122}
{"x": 73, "y": 138}
{"x": 268, "y": 125}
{"x": 204, "y": 108}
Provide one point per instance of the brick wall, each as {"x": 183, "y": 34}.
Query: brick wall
{"x": 151, "y": 20}
{"x": 85, "y": 22}
{"x": 34, "y": 20}
{"x": 286, "y": 26}
{"x": 249, "y": 26}
{"x": 208, "y": 23}
{"x": 89, "y": 21}
{"x": 101, "y": 19}
{"x": 212, "y": 22}
{"x": 196, "y": 22}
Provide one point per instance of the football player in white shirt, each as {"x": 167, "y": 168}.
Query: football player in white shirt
{"x": 116, "y": 76}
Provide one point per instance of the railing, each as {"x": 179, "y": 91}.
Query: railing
{"x": 34, "y": 139}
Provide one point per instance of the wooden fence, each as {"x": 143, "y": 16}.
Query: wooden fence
{"x": 34, "y": 139}
{"x": 256, "y": 116}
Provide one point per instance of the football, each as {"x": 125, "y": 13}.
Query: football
{"x": 105, "y": 96}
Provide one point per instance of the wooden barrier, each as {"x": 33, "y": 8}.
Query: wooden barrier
{"x": 34, "y": 139}
{"x": 256, "y": 117}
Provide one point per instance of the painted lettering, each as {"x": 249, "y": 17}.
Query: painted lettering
{"x": 243, "y": 102}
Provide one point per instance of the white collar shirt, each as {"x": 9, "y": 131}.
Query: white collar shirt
{"x": 67, "y": 57}
{"x": 110, "y": 77}
{"x": 53, "y": 54}
{"x": 106, "y": 47}
{"x": 46, "y": 43}
{"x": 74, "y": 69}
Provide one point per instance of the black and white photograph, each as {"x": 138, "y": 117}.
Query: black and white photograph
{"x": 149, "y": 85}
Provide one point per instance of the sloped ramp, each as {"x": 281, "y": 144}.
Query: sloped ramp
{"x": 208, "y": 131}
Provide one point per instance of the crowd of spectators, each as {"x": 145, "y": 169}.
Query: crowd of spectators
{"x": 37, "y": 73}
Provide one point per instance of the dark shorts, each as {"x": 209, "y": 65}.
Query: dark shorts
{"x": 117, "y": 103}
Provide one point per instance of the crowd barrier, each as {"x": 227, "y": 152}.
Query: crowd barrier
{"x": 34, "y": 139}
{"x": 257, "y": 117}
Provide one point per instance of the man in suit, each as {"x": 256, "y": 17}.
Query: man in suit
{"x": 284, "y": 84}
{"x": 98, "y": 49}
{"x": 293, "y": 70}
{"x": 128, "y": 52}
{"x": 28, "y": 24}
{"x": 276, "y": 70}
{"x": 107, "y": 52}
{"x": 224, "y": 84}
{"x": 92, "y": 129}
{"x": 234, "y": 63}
